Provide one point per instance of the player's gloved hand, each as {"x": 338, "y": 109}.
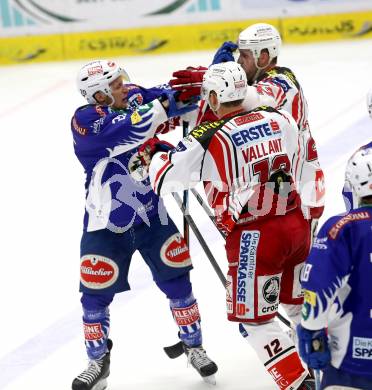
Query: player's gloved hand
{"x": 313, "y": 347}
{"x": 225, "y": 53}
{"x": 150, "y": 147}
{"x": 175, "y": 106}
{"x": 188, "y": 81}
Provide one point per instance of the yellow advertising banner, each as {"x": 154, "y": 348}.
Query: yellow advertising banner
{"x": 327, "y": 27}
{"x": 154, "y": 40}
{"x": 167, "y": 39}
{"x": 27, "y": 49}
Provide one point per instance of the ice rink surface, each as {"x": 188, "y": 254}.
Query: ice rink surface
{"x": 42, "y": 201}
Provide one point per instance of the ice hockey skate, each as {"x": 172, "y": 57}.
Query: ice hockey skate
{"x": 94, "y": 377}
{"x": 199, "y": 359}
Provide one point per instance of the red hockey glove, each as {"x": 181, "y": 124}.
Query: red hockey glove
{"x": 150, "y": 147}
{"x": 188, "y": 82}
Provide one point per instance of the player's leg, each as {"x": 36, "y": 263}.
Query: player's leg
{"x": 166, "y": 253}
{"x": 256, "y": 254}
{"x": 103, "y": 273}
{"x": 291, "y": 296}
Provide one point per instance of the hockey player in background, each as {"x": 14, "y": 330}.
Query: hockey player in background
{"x": 123, "y": 214}
{"x": 335, "y": 334}
{"x": 269, "y": 85}
{"x": 247, "y": 157}
{"x": 350, "y": 197}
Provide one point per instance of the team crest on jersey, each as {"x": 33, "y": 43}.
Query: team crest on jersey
{"x": 174, "y": 252}
{"x": 269, "y": 286}
{"x": 98, "y": 272}
{"x": 135, "y": 101}
{"x": 137, "y": 171}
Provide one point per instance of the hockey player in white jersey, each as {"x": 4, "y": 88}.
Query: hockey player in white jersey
{"x": 335, "y": 334}
{"x": 249, "y": 158}
{"x": 271, "y": 85}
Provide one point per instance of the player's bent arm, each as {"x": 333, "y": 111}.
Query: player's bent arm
{"x": 124, "y": 130}
{"x": 179, "y": 169}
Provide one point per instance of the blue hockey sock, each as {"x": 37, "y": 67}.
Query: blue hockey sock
{"x": 96, "y": 321}
{"x": 96, "y": 331}
{"x": 186, "y": 314}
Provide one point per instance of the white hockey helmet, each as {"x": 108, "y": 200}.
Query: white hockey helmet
{"x": 369, "y": 102}
{"x": 260, "y": 36}
{"x": 359, "y": 172}
{"x": 96, "y": 76}
{"x": 228, "y": 80}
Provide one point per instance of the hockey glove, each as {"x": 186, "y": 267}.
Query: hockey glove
{"x": 176, "y": 107}
{"x": 225, "y": 53}
{"x": 150, "y": 147}
{"x": 188, "y": 82}
{"x": 313, "y": 347}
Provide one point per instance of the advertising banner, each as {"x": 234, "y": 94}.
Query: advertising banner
{"x": 50, "y": 30}
{"x": 23, "y": 17}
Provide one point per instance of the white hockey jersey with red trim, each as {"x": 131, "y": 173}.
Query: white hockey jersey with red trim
{"x": 279, "y": 88}
{"x": 248, "y": 161}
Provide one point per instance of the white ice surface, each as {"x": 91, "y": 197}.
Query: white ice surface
{"x": 42, "y": 200}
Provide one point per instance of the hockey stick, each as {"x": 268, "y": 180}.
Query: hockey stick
{"x": 185, "y": 200}
{"x": 317, "y": 379}
{"x": 201, "y": 240}
{"x": 176, "y": 350}
{"x": 207, "y": 210}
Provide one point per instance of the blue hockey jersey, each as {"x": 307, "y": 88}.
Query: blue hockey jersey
{"x": 337, "y": 278}
{"x": 118, "y": 191}
{"x": 351, "y": 201}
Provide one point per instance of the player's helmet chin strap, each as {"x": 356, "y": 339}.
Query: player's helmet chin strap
{"x": 260, "y": 69}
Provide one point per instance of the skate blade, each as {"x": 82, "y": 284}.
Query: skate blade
{"x": 211, "y": 379}
{"x": 101, "y": 385}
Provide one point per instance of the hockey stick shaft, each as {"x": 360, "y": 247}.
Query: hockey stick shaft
{"x": 185, "y": 200}
{"x": 201, "y": 240}
{"x": 207, "y": 210}
{"x": 317, "y": 379}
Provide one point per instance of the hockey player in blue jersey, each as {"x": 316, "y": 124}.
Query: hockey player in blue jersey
{"x": 335, "y": 334}
{"x": 349, "y": 197}
{"x": 123, "y": 214}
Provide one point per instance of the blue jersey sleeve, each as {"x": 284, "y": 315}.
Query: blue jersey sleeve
{"x": 325, "y": 272}
{"x": 100, "y": 129}
{"x": 137, "y": 95}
